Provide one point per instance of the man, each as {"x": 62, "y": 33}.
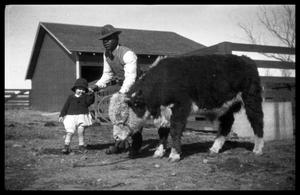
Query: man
{"x": 119, "y": 62}
{"x": 119, "y": 67}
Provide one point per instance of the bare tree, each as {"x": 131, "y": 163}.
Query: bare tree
{"x": 279, "y": 23}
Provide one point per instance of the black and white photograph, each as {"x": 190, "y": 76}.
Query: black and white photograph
{"x": 142, "y": 97}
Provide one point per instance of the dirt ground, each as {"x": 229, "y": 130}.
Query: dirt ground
{"x": 33, "y": 161}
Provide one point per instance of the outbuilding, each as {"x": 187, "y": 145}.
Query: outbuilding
{"x": 63, "y": 52}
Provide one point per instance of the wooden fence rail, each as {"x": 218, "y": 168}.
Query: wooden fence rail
{"x": 17, "y": 98}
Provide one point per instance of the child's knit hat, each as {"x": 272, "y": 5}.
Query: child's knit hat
{"x": 81, "y": 82}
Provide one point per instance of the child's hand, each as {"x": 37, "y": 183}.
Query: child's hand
{"x": 61, "y": 119}
{"x": 90, "y": 90}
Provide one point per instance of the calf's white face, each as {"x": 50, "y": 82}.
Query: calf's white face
{"x": 132, "y": 125}
{"x": 126, "y": 121}
{"x": 121, "y": 132}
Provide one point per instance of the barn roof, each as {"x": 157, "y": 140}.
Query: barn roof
{"x": 80, "y": 38}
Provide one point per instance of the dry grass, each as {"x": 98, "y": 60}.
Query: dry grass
{"x": 33, "y": 161}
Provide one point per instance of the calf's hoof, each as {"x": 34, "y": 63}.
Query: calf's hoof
{"x": 213, "y": 152}
{"x": 174, "y": 156}
{"x": 218, "y": 144}
{"x": 258, "y": 146}
{"x": 258, "y": 152}
{"x": 159, "y": 152}
{"x": 158, "y": 155}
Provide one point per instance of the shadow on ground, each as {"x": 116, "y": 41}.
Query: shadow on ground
{"x": 203, "y": 147}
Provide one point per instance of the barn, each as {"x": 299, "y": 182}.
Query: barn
{"x": 63, "y": 52}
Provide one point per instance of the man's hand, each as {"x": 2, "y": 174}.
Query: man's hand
{"x": 90, "y": 90}
{"x": 94, "y": 88}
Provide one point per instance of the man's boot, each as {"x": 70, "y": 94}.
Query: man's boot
{"x": 66, "y": 149}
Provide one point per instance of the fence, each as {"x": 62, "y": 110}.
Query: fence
{"x": 275, "y": 88}
{"x": 17, "y": 98}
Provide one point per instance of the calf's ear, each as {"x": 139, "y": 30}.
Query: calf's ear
{"x": 129, "y": 101}
{"x": 134, "y": 103}
{"x": 136, "y": 100}
{"x": 137, "y": 94}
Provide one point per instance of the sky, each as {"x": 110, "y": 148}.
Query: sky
{"x": 205, "y": 24}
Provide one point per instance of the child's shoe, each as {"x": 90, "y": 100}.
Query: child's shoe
{"x": 82, "y": 149}
{"x": 66, "y": 149}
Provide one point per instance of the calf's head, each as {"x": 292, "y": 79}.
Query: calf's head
{"x": 127, "y": 114}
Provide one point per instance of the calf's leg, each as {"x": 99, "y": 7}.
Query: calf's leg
{"x": 253, "y": 108}
{"x": 137, "y": 141}
{"x": 176, "y": 132}
{"x": 178, "y": 122}
{"x": 226, "y": 122}
{"x": 163, "y": 133}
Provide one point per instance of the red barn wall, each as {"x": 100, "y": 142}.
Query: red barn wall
{"x": 54, "y": 75}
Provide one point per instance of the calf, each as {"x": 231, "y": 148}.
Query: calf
{"x": 214, "y": 85}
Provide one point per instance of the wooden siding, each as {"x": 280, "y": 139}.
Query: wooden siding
{"x": 53, "y": 77}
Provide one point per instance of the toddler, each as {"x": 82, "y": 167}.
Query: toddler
{"x": 75, "y": 114}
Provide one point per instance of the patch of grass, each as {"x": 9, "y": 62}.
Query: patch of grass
{"x": 33, "y": 160}
{"x": 19, "y": 171}
{"x": 18, "y": 178}
{"x": 23, "y": 131}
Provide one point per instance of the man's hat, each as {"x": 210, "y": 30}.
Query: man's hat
{"x": 81, "y": 82}
{"x": 108, "y": 30}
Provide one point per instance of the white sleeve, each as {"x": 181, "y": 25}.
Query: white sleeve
{"x": 130, "y": 71}
{"x": 106, "y": 76}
